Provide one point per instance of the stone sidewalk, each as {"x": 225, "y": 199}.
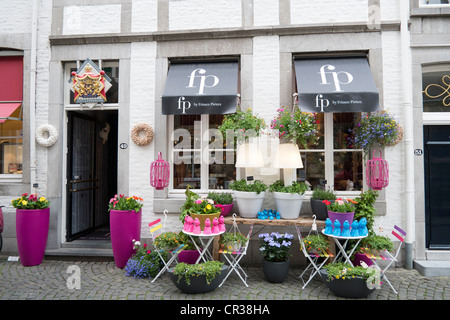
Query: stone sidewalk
{"x": 100, "y": 279}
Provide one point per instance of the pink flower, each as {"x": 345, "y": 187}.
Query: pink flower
{"x": 198, "y": 201}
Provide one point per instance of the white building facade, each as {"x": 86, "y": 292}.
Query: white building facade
{"x": 136, "y": 42}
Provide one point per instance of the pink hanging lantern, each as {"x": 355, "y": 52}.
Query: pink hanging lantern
{"x": 377, "y": 172}
{"x": 159, "y": 173}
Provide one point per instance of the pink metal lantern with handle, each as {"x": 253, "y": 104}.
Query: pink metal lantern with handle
{"x": 377, "y": 172}
{"x": 159, "y": 173}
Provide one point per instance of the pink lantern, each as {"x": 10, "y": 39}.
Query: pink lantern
{"x": 159, "y": 173}
{"x": 377, "y": 172}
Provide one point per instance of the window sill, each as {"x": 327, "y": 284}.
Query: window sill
{"x": 10, "y": 178}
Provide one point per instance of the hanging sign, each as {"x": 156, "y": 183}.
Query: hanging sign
{"x": 89, "y": 84}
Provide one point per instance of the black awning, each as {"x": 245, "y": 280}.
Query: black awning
{"x": 201, "y": 88}
{"x": 336, "y": 85}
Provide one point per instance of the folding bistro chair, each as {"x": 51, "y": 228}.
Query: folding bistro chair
{"x": 233, "y": 257}
{"x": 157, "y": 228}
{"x": 314, "y": 264}
{"x": 386, "y": 255}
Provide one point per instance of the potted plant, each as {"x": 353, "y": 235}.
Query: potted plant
{"x": 32, "y": 222}
{"x": 341, "y": 210}
{"x": 190, "y": 253}
{"x": 240, "y": 124}
{"x": 372, "y": 243}
{"x": 125, "y": 223}
{"x": 319, "y": 208}
{"x": 144, "y": 263}
{"x": 223, "y": 200}
{"x": 249, "y": 197}
{"x": 376, "y": 129}
{"x": 199, "y": 208}
{"x": 288, "y": 199}
{"x": 233, "y": 241}
{"x": 198, "y": 278}
{"x": 296, "y": 127}
{"x": 347, "y": 281}
{"x": 316, "y": 243}
{"x": 167, "y": 241}
{"x": 274, "y": 248}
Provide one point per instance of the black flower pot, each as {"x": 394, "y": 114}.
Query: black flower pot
{"x": 354, "y": 288}
{"x": 319, "y": 209}
{"x": 275, "y": 272}
{"x": 198, "y": 284}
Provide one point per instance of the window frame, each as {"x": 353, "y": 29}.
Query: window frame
{"x": 435, "y": 118}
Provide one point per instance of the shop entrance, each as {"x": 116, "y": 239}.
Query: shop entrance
{"x": 91, "y": 173}
{"x": 437, "y": 186}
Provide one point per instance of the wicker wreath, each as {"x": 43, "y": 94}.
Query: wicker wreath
{"x": 50, "y": 139}
{"x": 137, "y": 138}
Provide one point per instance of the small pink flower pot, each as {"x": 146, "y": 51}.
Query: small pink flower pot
{"x": 226, "y": 209}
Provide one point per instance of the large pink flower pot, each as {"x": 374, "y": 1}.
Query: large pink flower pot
{"x": 125, "y": 226}
{"x": 32, "y": 233}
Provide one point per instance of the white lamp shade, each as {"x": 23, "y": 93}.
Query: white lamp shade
{"x": 287, "y": 156}
{"x": 249, "y": 155}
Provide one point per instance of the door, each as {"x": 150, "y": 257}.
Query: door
{"x": 437, "y": 186}
{"x": 81, "y": 179}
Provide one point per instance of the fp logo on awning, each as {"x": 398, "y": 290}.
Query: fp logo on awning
{"x": 205, "y": 81}
{"x": 338, "y": 78}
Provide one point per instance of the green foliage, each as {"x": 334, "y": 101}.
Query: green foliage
{"x": 232, "y": 237}
{"x": 240, "y": 122}
{"x": 320, "y": 193}
{"x": 317, "y": 242}
{"x": 346, "y": 271}
{"x": 221, "y": 197}
{"x": 241, "y": 185}
{"x": 166, "y": 240}
{"x": 144, "y": 263}
{"x": 364, "y": 208}
{"x": 341, "y": 205}
{"x": 377, "y": 242}
{"x": 187, "y": 241}
{"x": 296, "y": 187}
{"x": 33, "y": 201}
{"x": 275, "y": 246}
{"x": 210, "y": 269}
{"x": 296, "y": 126}
{"x": 194, "y": 204}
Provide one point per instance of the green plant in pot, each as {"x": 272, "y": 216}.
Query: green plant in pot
{"x": 222, "y": 200}
{"x": 249, "y": 197}
{"x": 288, "y": 198}
{"x": 144, "y": 263}
{"x": 190, "y": 253}
{"x": 316, "y": 243}
{"x": 240, "y": 123}
{"x": 198, "y": 278}
{"x": 233, "y": 241}
{"x": 320, "y": 194}
{"x": 275, "y": 249}
{"x": 167, "y": 241}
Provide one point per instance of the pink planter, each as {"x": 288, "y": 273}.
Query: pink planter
{"x": 32, "y": 233}
{"x": 226, "y": 209}
{"x": 188, "y": 256}
{"x": 341, "y": 217}
{"x": 125, "y": 226}
{"x": 358, "y": 257}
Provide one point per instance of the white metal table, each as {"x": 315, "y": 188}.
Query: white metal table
{"x": 343, "y": 246}
{"x": 205, "y": 240}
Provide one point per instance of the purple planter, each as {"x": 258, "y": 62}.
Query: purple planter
{"x": 226, "y": 209}
{"x": 358, "y": 257}
{"x": 31, "y": 233}
{"x": 188, "y": 256}
{"x": 125, "y": 226}
{"x": 341, "y": 217}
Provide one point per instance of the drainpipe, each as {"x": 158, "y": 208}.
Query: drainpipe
{"x": 32, "y": 110}
{"x": 408, "y": 132}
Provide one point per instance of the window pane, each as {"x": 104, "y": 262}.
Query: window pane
{"x": 343, "y": 124}
{"x": 112, "y": 95}
{"x": 320, "y": 117}
{"x": 348, "y": 174}
{"x": 221, "y": 169}
{"x": 215, "y": 120}
{"x": 11, "y": 145}
{"x": 187, "y": 131}
{"x": 313, "y": 170}
{"x": 186, "y": 169}
{"x": 435, "y": 95}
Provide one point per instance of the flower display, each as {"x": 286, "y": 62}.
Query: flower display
{"x": 144, "y": 263}
{"x": 296, "y": 127}
{"x": 195, "y": 204}
{"x": 120, "y": 202}
{"x": 275, "y": 246}
{"x": 375, "y": 129}
{"x": 341, "y": 205}
{"x": 167, "y": 240}
{"x": 240, "y": 123}
{"x": 32, "y": 201}
{"x": 316, "y": 243}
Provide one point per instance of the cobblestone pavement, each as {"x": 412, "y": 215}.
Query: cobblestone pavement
{"x": 100, "y": 279}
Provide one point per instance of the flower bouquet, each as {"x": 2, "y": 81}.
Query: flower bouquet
{"x": 122, "y": 203}
{"x": 242, "y": 124}
{"x": 341, "y": 210}
{"x": 275, "y": 246}
{"x": 201, "y": 208}
{"x": 32, "y": 201}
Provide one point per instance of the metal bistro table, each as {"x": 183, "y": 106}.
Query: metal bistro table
{"x": 342, "y": 247}
{"x": 205, "y": 240}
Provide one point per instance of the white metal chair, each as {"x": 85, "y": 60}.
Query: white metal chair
{"x": 313, "y": 258}
{"x": 156, "y": 229}
{"x": 233, "y": 257}
{"x": 385, "y": 255}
